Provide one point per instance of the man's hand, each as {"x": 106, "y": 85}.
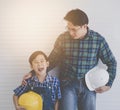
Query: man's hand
{"x": 26, "y": 77}
{"x": 102, "y": 89}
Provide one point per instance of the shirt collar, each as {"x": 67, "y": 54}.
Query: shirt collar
{"x": 35, "y": 78}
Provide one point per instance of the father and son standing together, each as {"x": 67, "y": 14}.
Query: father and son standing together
{"x": 77, "y": 51}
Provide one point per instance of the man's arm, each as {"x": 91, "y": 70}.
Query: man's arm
{"x": 27, "y": 76}
{"x": 56, "y": 54}
{"x": 107, "y": 57}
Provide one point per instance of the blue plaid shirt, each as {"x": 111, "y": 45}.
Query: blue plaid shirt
{"x": 77, "y": 56}
{"x": 50, "y": 81}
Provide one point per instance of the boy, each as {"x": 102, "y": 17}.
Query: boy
{"x": 42, "y": 83}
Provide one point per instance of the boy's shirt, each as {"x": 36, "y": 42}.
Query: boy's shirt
{"x": 50, "y": 82}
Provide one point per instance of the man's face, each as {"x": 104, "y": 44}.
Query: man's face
{"x": 77, "y": 32}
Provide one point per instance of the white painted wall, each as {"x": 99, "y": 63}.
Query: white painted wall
{"x": 29, "y": 25}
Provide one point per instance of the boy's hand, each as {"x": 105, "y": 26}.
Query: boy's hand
{"x": 26, "y": 77}
{"x": 20, "y": 108}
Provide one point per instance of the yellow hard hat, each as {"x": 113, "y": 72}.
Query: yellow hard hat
{"x": 31, "y": 101}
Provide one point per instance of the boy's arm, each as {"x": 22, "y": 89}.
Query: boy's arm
{"x": 15, "y": 101}
{"x": 56, "y": 105}
{"x": 58, "y": 93}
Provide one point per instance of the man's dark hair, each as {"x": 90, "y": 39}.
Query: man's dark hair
{"x": 77, "y": 17}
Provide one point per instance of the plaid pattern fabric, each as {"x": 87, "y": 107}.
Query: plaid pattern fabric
{"x": 78, "y": 56}
{"x": 50, "y": 82}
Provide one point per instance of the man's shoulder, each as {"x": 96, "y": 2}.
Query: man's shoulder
{"x": 95, "y": 35}
{"x": 64, "y": 35}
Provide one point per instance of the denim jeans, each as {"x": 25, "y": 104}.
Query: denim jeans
{"x": 76, "y": 96}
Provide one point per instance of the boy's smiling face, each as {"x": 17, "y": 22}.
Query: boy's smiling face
{"x": 39, "y": 65}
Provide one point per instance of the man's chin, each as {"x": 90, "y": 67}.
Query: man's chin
{"x": 74, "y": 37}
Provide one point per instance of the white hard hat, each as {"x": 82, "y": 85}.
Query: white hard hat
{"x": 96, "y": 77}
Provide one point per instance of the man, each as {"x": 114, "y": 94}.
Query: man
{"x": 77, "y": 51}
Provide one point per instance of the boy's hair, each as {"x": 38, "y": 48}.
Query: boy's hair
{"x": 77, "y": 17}
{"x": 35, "y": 54}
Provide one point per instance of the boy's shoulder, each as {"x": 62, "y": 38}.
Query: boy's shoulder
{"x": 52, "y": 78}
{"x": 33, "y": 78}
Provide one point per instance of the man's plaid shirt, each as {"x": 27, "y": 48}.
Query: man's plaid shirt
{"x": 78, "y": 56}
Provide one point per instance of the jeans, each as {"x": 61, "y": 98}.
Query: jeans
{"x": 76, "y": 96}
